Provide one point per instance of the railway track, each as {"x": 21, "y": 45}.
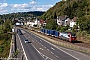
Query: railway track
{"x": 78, "y": 43}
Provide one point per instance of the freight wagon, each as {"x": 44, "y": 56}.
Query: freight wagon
{"x": 62, "y": 35}
{"x": 57, "y": 34}
{"x": 52, "y": 32}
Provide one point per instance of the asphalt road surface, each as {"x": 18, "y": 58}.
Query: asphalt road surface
{"x": 39, "y": 49}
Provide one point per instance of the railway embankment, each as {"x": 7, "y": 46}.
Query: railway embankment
{"x": 65, "y": 44}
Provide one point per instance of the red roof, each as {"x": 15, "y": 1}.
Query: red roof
{"x": 41, "y": 21}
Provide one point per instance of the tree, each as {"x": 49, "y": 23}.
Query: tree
{"x": 58, "y": 28}
{"x": 51, "y": 24}
{"x": 84, "y": 23}
{"x": 1, "y": 21}
{"x": 64, "y": 28}
{"x": 7, "y": 26}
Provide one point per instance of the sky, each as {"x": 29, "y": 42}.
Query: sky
{"x": 14, "y": 6}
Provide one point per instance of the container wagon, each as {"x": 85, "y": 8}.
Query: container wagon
{"x": 52, "y": 32}
{"x": 57, "y": 34}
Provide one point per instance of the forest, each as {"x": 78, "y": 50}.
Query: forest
{"x": 5, "y": 37}
{"x": 71, "y": 8}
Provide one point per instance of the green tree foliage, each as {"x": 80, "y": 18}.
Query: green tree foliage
{"x": 4, "y": 29}
{"x": 64, "y": 28}
{"x": 58, "y": 28}
{"x": 51, "y": 24}
{"x": 1, "y": 21}
{"x": 52, "y": 13}
{"x": 71, "y": 8}
{"x": 75, "y": 29}
{"x": 7, "y": 26}
{"x": 84, "y": 23}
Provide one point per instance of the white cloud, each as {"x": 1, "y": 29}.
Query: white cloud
{"x": 20, "y": 5}
{"x": 3, "y": 11}
{"x": 41, "y": 8}
{"x": 2, "y": 5}
{"x": 25, "y": 7}
{"x": 33, "y": 2}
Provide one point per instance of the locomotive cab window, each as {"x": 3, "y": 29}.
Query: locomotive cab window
{"x": 68, "y": 35}
{"x": 73, "y": 35}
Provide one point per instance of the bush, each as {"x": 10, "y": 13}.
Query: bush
{"x": 82, "y": 34}
{"x": 58, "y": 28}
{"x": 88, "y": 36}
{"x": 64, "y": 28}
{"x": 1, "y": 49}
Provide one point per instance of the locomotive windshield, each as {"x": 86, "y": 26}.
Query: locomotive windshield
{"x": 73, "y": 35}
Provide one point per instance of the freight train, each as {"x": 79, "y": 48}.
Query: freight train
{"x": 68, "y": 36}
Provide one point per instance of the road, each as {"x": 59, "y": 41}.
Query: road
{"x": 40, "y": 49}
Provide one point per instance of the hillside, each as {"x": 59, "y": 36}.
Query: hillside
{"x": 36, "y": 13}
{"x": 21, "y": 14}
{"x": 71, "y": 8}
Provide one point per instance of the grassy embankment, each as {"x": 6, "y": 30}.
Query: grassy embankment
{"x": 71, "y": 46}
{"x": 4, "y": 48}
{"x": 83, "y": 36}
{"x": 5, "y": 40}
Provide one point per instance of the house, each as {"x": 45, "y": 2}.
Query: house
{"x": 63, "y": 20}
{"x": 36, "y": 22}
{"x": 73, "y": 21}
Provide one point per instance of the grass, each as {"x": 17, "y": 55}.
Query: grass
{"x": 66, "y": 45}
{"x": 4, "y": 48}
{"x": 16, "y": 53}
{"x": 83, "y": 36}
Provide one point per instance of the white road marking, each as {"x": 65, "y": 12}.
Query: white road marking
{"x": 44, "y": 47}
{"x": 52, "y": 48}
{"x": 44, "y": 56}
{"x": 56, "y": 47}
{"x": 57, "y": 56}
{"x": 41, "y": 48}
{"x": 48, "y": 49}
{"x": 23, "y": 48}
{"x": 52, "y": 53}
{"x": 39, "y": 43}
{"x": 40, "y": 40}
{"x": 32, "y": 40}
{"x": 59, "y": 49}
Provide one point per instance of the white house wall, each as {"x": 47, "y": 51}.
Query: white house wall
{"x": 72, "y": 23}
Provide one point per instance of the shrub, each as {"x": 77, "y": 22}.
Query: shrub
{"x": 1, "y": 48}
{"x": 64, "y": 28}
{"x": 82, "y": 34}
